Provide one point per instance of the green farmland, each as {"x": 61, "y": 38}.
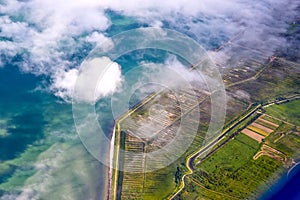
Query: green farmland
{"x": 289, "y": 112}
{"x": 231, "y": 172}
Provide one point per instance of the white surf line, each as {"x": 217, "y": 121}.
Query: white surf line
{"x": 298, "y": 163}
{"x": 111, "y": 158}
{"x": 112, "y": 144}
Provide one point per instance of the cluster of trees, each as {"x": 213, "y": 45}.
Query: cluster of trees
{"x": 178, "y": 175}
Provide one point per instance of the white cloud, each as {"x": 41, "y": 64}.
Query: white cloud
{"x": 99, "y": 39}
{"x": 110, "y": 80}
{"x": 171, "y": 74}
{"x": 64, "y": 83}
{"x": 48, "y": 33}
{"x": 64, "y": 171}
{"x": 213, "y": 21}
{"x": 43, "y": 31}
{"x": 97, "y": 78}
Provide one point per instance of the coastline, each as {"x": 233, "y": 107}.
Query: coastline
{"x": 111, "y": 149}
{"x": 294, "y": 167}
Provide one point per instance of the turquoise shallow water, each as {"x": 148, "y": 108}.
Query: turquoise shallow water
{"x": 20, "y": 110}
{"x": 39, "y": 147}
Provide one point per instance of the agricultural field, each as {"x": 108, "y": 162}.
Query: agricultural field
{"x": 262, "y": 147}
{"x": 279, "y": 79}
{"x": 259, "y": 138}
{"x": 287, "y": 136}
{"x": 244, "y": 167}
{"x": 232, "y": 156}
{"x": 258, "y": 130}
{"x": 289, "y": 112}
{"x": 247, "y": 181}
{"x": 148, "y": 129}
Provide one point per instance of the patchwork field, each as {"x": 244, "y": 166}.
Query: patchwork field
{"x": 258, "y": 131}
{"x": 149, "y": 128}
{"x": 247, "y": 181}
{"x": 287, "y": 136}
{"x": 246, "y": 165}
{"x": 289, "y": 112}
{"x": 259, "y": 138}
{"x": 231, "y": 170}
{"x": 267, "y": 123}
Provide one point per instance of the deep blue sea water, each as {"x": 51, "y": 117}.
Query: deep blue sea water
{"x": 288, "y": 187}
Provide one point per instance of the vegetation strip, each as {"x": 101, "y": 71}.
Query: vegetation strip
{"x": 208, "y": 147}
{"x": 214, "y": 142}
{"x": 222, "y": 194}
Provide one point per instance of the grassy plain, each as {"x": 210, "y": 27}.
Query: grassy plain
{"x": 289, "y": 112}
{"x": 285, "y": 140}
{"x": 232, "y": 173}
{"x": 247, "y": 181}
{"x": 232, "y": 156}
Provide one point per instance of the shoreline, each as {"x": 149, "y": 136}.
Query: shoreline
{"x": 111, "y": 150}
{"x": 297, "y": 164}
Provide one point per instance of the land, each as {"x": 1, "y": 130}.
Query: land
{"x": 244, "y": 167}
{"x": 259, "y": 143}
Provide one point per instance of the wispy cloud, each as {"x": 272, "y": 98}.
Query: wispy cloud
{"x": 62, "y": 172}
{"x": 46, "y": 33}
{"x": 52, "y": 37}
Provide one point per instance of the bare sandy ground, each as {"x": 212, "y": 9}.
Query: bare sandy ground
{"x": 261, "y": 127}
{"x": 253, "y": 135}
{"x": 267, "y": 122}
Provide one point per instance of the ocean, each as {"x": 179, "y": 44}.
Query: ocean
{"x": 287, "y": 187}
{"x": 40, "y": 153}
